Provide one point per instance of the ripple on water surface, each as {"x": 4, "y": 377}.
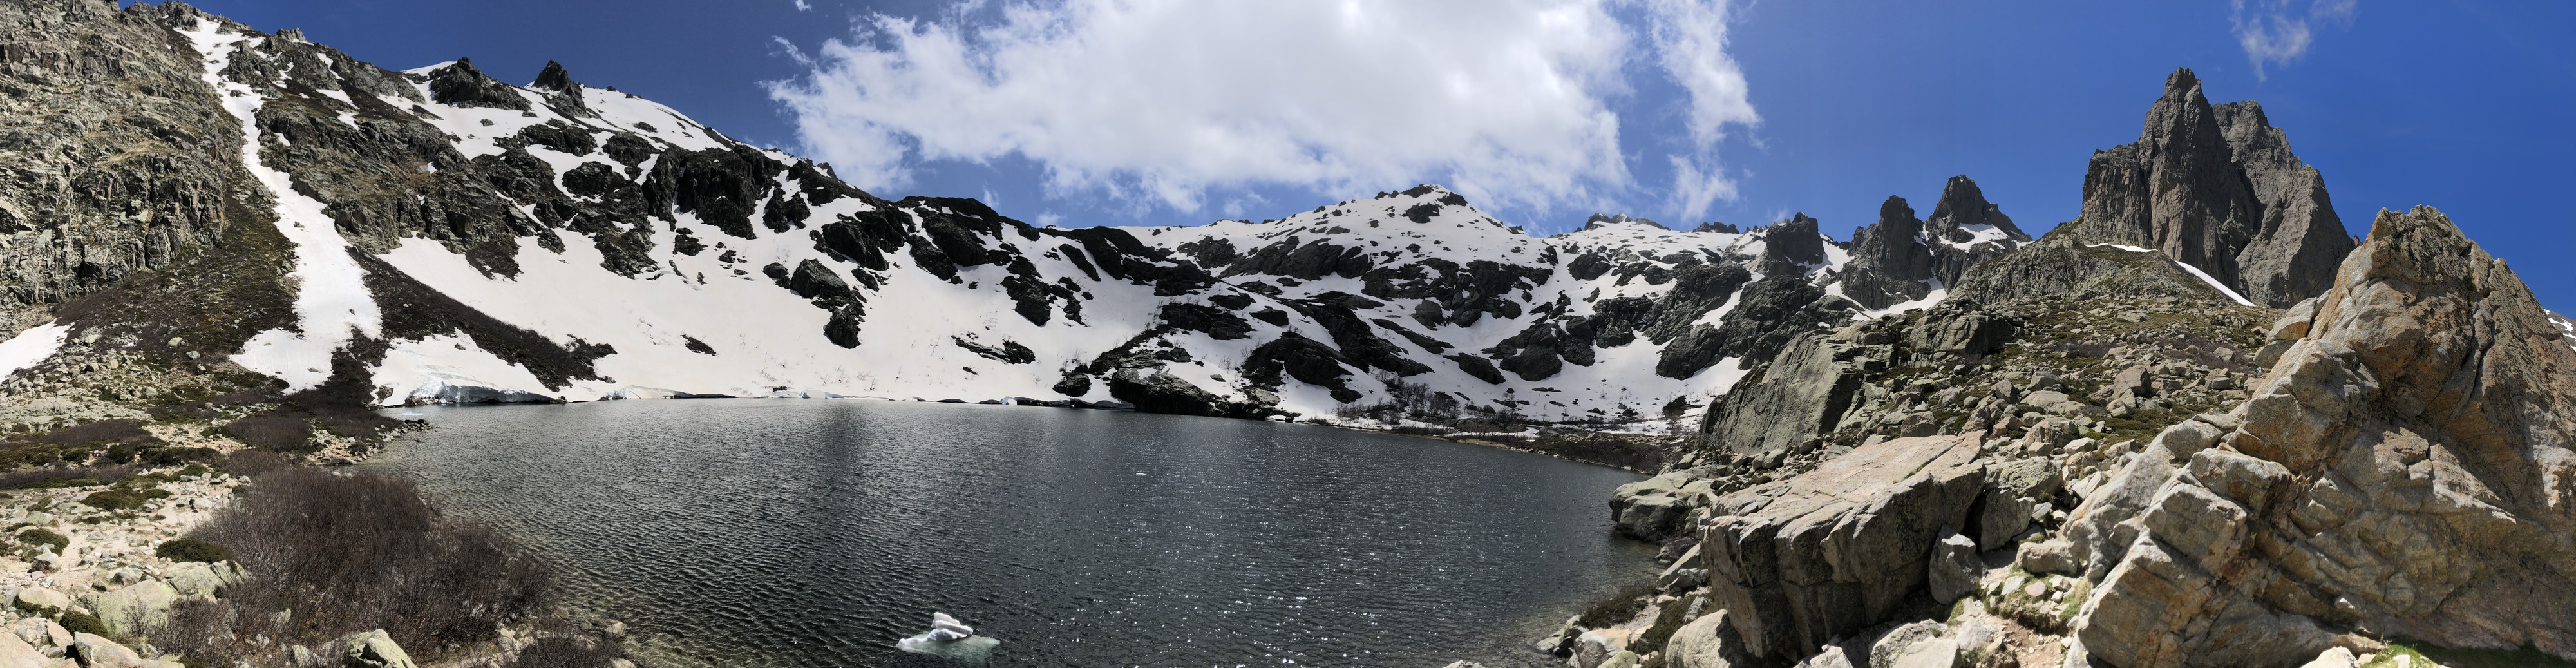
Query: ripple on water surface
{"x": 816, "y": 533}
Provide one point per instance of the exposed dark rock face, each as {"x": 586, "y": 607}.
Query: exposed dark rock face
{"x": 2218, "y": 188}
{"x": 1902, "y": 259}
{"x": 120, "y": 160}
{"x": 1966, "y": 230}
{"x": 1889, "y": 260}
{"x": 1791, "y": 247}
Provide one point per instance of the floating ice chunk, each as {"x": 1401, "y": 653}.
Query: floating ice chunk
{"x": 950, "y": 639}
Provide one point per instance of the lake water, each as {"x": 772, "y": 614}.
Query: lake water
{"x": 817, "y": 533}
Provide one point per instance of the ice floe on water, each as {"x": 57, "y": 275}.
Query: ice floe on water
{"x": 952, "y": 640}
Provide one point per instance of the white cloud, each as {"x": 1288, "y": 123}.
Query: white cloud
{"x": 2276, "y": 31}
{"x": 803, "y": 7}
{"x": 1157, "y": 102}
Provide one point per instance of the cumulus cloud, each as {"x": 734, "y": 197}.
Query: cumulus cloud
{"x": 1161, "y": 101}
{"x": 2278, "y": 31}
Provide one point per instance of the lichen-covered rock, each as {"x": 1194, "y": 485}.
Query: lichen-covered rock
{"x": 2402, "y": 471}
{"x": 1712, "y": 641}
{"x": 1804, "y": 560}
{"x": 135, "y": 609}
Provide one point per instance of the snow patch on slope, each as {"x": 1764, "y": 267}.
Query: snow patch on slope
{"x": 331, "y": 299}
{"x": 31, "y": 347}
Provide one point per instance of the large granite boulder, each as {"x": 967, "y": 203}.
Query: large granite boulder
{"x": 1821, "y": 555}
{"x": 1712, "y": 641}
{"x": 136, "y": 609}
{"x": 2405, "y": 470}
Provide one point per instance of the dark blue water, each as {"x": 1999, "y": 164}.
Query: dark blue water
{"x": 817, "y": 533}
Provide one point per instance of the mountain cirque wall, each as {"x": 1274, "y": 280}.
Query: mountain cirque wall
{"x": 2404, "y": 471}
{"x": 438, "y": 235}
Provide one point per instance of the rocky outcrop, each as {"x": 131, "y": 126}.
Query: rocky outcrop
{"x": 121, "y": 160}
{"x": 1791, "y": 247}
{"x": 1901, "y": 258}
{"x": 2402, "y": 471}
{"x": 2219, "y": 189}
{"x": 1889, "y": 262}
{"x": 1965, "y": 230}
{"x": 1818, "y": 382}
{"x": 2062, "y": 265}
{"x": 1802, "y": 561}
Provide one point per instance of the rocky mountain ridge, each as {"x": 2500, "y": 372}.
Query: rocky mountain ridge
{"x": 369, "y": 236}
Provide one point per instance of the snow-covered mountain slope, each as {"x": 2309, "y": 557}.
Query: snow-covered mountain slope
{"x": 456, "y": 238}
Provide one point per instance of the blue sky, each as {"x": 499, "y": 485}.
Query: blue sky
{"x": 1086, "y": 112}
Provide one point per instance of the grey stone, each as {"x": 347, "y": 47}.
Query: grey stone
{"x": 16, "y": 653}
{"x": 2047, "y": 556}
{"x": 136, "y": 609}
{"x": 2012, "y": 490}
{"x": 44, "y": 598}
{"x": 374, "y": 649}
{"x": 99, "y": 652}
{"x": 1712, "y": 641}
{"x": 1835, "y": 550}
{"x": 1832, "y": 657}
{"x": 1898, "y": 642}
{"x": 1954, "y": 568}
{"x": 2365, "y": 484}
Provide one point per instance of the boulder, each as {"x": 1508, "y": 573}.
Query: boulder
{"x": 374, "y": 649}
{"x": 1954, "y": 568}
{"x": 99, "y": 652}
{"x": 1934, "y": 653}
{"x": 1835, "y": 550}
{"x": 2402, "y": 471}
{"x": 136, "y": 609}
{"x": 2336, "y": 657}
{"x": 1623, "y": 659}
{"x": 44, "y": 598}
{"x": 2097, "y": 530}
{"x": 16, "y": 653}
{"x": 203, "y": 579}
{"x": 2012, "y": 491}
{"x": 1712, "y": 641}
{"x": 1595, "y": 646}
{"x": 2047, "y": 556}
{"x": 1896, "y": 643}
{"x": 1832, "y": 657}
{"x": 1653, "y": 509}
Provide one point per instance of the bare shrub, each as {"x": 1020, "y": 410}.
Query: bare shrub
{"x": 94, "y": 432}
{"x": 283, "y": 434}
{"x": 349, "y": 552}
{"x": 253, "y": 463}
{"x": 64, "y": 476}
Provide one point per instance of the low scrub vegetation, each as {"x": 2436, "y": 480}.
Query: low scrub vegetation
{"x": 331, "y": 553}
{"x": 53, "y": 477}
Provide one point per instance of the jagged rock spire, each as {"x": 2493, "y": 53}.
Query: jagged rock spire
{"x": 2219, "y": 189}
{"x": 563, "y": 93}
